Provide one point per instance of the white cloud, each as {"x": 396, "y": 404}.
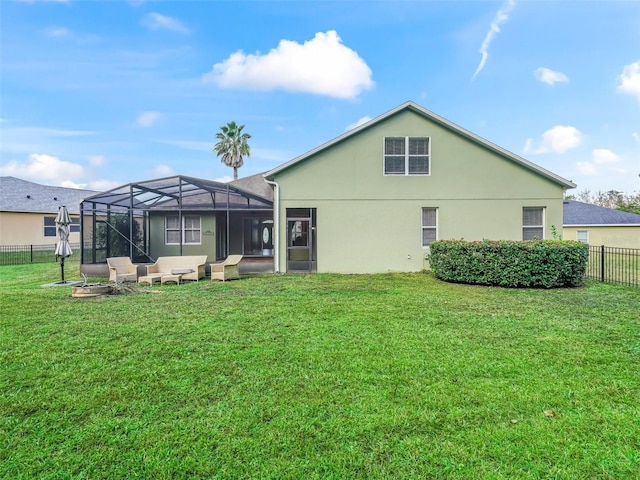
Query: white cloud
{"x": 156, "y": 21}
{"x": 70, "y": 184}
{"x": 148, "y": 119}
{"x": 630, "y": 80}
{"x": 225, "y": 179}
{"x": 501, "y": 17}
{"x": 558, "y": 139}
{"x": 550, "y": 77}
{"x": 361, "y": 121}
{"x": 96, "y": 160}
{"x": 44, "y": 169}
{"x": 322, "y": 66}
{"x": 162, "y": 171}
{"x": 103, "y": 185}
{"x": 602, "y": 155}
{"x": 57, "y": 32}
{"x": 587, "y": 168}
{"x": 636, "y": 136}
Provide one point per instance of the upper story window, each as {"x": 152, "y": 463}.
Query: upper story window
{"x": 407, "y": 155}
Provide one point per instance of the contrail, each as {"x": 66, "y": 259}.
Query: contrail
{"x": 501, "y": 17}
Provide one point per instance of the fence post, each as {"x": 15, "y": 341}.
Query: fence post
{"x": 602, "y": 263}
{"x": 31, "y": 253}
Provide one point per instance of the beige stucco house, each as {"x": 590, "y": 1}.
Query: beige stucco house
{"x": 373, "y": 199}
{"x": 598, "y": 225}
{"x": 28, "y": 211}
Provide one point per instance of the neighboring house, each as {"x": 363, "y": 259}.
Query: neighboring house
{"x": 598, "y": 225}
{"x": 374, "y": 198}
{"x": 28, "y": 211}
{"x": 371, "y": 200}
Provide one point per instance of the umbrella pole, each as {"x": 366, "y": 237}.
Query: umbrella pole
{"x": 62, "y": 268}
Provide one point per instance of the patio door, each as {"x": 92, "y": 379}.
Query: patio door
{"x": 301, "y": 240}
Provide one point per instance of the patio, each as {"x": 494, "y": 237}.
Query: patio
{"x": 176, "y": 215}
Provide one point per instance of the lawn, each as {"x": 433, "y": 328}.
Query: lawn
{"x": 318, "y": 376}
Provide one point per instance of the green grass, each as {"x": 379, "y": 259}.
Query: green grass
{"x": 621, "y": 268}
{"x": 318, "y": 376}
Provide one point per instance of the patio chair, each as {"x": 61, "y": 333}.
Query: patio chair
{"x": 121, "y": 269}
{"x": 227, "y": 270}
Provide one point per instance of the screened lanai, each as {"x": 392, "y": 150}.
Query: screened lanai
{"x": 177, "y": 215}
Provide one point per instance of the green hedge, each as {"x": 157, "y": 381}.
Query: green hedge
{"x": 505, "y": 263}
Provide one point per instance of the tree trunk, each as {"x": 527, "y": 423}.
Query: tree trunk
{"x": 235, "y": 173}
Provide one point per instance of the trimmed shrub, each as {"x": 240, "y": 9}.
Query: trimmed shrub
{"x": 507, "y": 263}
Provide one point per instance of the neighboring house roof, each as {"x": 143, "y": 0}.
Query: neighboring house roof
{"x": 18, "y": 195}
{"x": 437, "y": 119}
{"x": 255, "y": 184}
{"x": 583, "y": 214}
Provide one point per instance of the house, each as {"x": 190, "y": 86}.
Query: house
{"x": 370, "y": 200}
{"x": 28, "y": 211}
{"x": 598, "y": 225}
{"x": 374, "y": 198}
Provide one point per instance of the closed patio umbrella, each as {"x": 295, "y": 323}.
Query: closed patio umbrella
{"x": 63, "y": 249}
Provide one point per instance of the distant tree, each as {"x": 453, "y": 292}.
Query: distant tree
{"x": 232, "y": 146}
{"x": 610, "y": 199}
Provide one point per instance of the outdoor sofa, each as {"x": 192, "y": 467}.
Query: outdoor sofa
{"x": 191, "y": 267}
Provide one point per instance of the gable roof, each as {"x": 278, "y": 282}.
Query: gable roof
{"x": 414, "y": 107}
{"x": 580, "y": 213}
{"x": 254, "y": 184}
{"x": 17, "y": 195}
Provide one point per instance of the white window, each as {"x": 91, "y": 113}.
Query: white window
{"x": 50, "y": 229}
{"x": 49, "y": 226}
{"x": 429, "y": 226}
{"x": 190, "y": 231}
{"x": 532, "y": 223}
{"x": 407, "y": 155}
{"x": 582, "y": 236}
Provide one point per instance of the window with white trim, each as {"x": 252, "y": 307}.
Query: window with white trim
{"x": 532, "y": 223}
{"x": 191, "y": 231}
{"x": 50, "y": 229}
{"x": 429, "y": 226}
{"x": 407, "y": 155}
{"x": 49, "y": 226}
{"x": 582, "y": 236}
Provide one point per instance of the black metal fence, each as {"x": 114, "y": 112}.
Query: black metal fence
{"x": 614, "y": 265}
{"x": 23, "y": 254}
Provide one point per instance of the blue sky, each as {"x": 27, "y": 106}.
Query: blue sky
{"x": 98, "y": 94}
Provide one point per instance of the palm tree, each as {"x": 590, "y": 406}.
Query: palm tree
{"x": 232, "y": 146}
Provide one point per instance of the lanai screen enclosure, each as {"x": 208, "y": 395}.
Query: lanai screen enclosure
{"x": 175, "y": 216}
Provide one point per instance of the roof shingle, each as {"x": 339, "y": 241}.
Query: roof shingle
{"x": 18, "y": 195}
{"x": 580, "y": 213}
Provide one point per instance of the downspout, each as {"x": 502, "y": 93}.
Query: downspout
{"x": 276, "y": 225}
